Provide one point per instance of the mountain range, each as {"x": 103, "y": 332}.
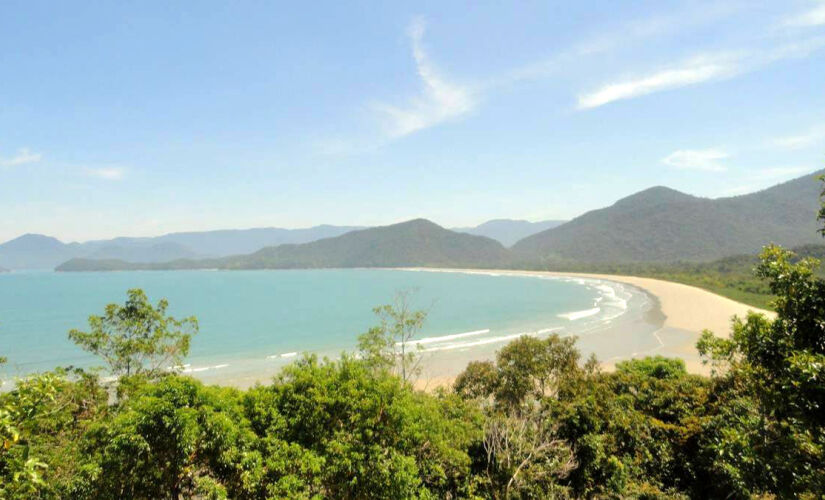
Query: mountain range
{"x": 35, "y": 251}
{"x": 661, "y": 225}
{"x": 655, "y": 225}
{"x": 415, "y": 243}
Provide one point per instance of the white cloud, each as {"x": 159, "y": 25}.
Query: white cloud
{"x": 812, "y": 17}
{"x": 697, "y": 159}
{"x": 23, "y": 156}
{"x": 106, "y": 173}
{"x": 439, "y": 101}
{"x": 810, "y": 138}
{"x": 696, "y": 70}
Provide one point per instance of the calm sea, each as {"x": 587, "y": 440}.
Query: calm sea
{"x": 254, "y": 319}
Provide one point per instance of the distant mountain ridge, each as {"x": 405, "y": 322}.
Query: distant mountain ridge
{"x": 509, "y": 231}
{"x": 415, "y": 243}
{"x": 35, "y": 251}
{"x": 656, "y": 225}
{"x": 661, "y": 224}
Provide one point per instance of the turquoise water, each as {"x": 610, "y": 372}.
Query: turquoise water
{"x": 260, "y": 318}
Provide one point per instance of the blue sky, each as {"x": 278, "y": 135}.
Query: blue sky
{"x": 141, "y": 118}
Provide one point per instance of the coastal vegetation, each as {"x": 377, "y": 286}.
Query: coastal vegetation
{"x": 536, "y": 422}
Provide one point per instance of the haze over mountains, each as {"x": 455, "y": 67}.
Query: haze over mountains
{"x": 413, "y": 243}
{"x": 34, "y": 251}
{"x": 655, "y": 225}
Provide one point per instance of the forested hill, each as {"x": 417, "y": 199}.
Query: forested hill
{"x": 413, "y": 243}
{"x": 664, "y": 225}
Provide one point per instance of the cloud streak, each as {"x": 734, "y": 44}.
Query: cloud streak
{"x": 696, "y": 70}
{"x": 809, "y": 18}
{"x": 440, "y": 100}
{"x": 707, "y": 160}
{"x": 24, "y": 156}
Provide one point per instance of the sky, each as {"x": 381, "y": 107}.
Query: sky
{"x": 143, "y": 118}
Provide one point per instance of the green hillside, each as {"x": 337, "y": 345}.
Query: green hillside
{"x": 414, "y": 243}
{"x": 663, "y": 225}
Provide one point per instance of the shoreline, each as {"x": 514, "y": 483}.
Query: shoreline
{"x": 685, "y": 311}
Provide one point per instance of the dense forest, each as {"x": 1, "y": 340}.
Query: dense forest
{"x": 536, "y": 422}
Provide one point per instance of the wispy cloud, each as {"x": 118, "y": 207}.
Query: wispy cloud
{"x": 814, "y": 136}
{"x": 812, "y": 17}
{"x": 698, "y": 69}
{"x": 697, "y": 159}
{"x": 23, "y": 156}
{"x": 106, "y": 173}
{"x": 439, "y": 101}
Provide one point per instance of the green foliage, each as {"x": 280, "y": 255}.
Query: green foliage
{"x": 41, "y": 422}
{"x": 390, "y": 344}
{"x": 137, "y": 338}
{"x": 169, "y": 440}
{"x": 777, "y": 366}
{"x": 532, "y": 368}
{"x": 375, "y": 436}
{"x": 657, "y": 367}
{"x": 478, "y": 380}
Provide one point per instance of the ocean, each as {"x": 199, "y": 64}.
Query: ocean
{"x": 254, "y": 322}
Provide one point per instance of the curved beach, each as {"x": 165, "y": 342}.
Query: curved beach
{"x": 683, "y": 313}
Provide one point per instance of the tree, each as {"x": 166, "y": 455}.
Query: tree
{"x": 371, "y": 435}
{"x": 478, "y": 380}
{"x": 137, "y": 338}
{"x": 779, "y": 366}
{"x": 534, "y": 367}
{"x": 172, "y": 439}
{"x": 390, "y": 344}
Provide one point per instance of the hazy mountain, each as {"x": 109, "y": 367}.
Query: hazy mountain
{"x": 414, "y": 243}
{"x": 660, "y": 224}
{"x": 33, "y": 251}
{"x": 242, "y": 241}
{"x": 509, "y": 231}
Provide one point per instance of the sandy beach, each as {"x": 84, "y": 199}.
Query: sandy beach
{"x": 686, "y": 310}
